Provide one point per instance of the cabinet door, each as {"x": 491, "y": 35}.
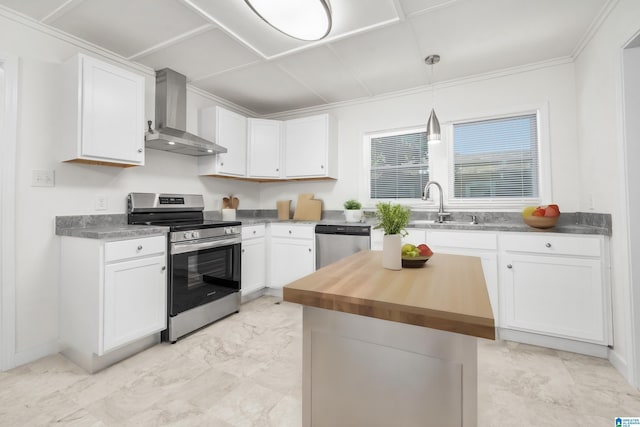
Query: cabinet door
{"x": 135, "y": 300}
{"x": 231, "y": 129}
{"x": 291, "y": 259}
{"x": 553, "y": 295}
{"x": 306, "y": 143}
{"x": 264, "y": 148}
{"x": 253, "y": 265}
{"x": 415, "y": 237}
{"x": 112, "y": 113}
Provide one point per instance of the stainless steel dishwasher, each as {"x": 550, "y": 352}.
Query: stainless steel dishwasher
{"x": 334, "y": 242}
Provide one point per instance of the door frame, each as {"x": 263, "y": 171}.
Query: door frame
{"x": 630, "y": 131}
{"x": 8, "y": 145}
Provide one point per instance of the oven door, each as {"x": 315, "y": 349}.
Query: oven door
{"x": 203, "y": 271}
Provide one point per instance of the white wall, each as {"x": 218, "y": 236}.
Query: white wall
{"x": 598, "y": 82}
{"x": 76, "y": 185}
{"x": 470, "y": 98}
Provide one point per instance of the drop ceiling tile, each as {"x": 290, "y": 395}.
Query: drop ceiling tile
{"x": 263, "y": 88}
{"x": 412, "y": 7}
{"x": 128, "y": 27}
{"x": 37, "y": 9}
{"x": 385, "y": 60}
{"x": 512, "y": 33}
{"x": 210, "y": 52}
{"x": 322, "y": 70}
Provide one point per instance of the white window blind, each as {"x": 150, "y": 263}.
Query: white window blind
{"x": 399, "y": 166}
{"x": 496, "y": 159}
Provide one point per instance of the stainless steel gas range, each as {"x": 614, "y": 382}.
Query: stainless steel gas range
{"x": 203, "y": 258}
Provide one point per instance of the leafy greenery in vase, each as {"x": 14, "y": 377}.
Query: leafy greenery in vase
{"x": 352, "y": 204}
{"x": 393, "y": 218}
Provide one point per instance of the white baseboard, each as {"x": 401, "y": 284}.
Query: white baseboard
{"x": 620, "y": 364}
{"x": 37, "y": 352}
{"x": 597, "y": 350}
{"x": 275, "y": 292}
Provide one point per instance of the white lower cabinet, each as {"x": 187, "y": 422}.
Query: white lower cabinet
{"x": 292, "y": 251}
{"x": 134, "y": 300}
{"x": 113, "y": 296}
{"x": 254, "y": 261}
{"x": 480, "y": 244}
{"x": 555, "y": 286}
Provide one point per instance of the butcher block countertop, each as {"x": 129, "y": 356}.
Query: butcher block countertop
{"x": 448, "y": 293}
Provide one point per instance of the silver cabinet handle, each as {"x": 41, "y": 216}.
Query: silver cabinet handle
{"x": 164, "y": 267}
{"x": 289, "y": 231}
{"x": 277, "y": 170}
{"x": 321, "y": 166}
{"x": 139, "y": 247}
{"x": 139, "y": 150}
{"x": 221, "y": 164}
{"x": 548, "y": 245}
{"x": 309, "y": 249}
{"x": 243, "y": 251}
{"x": 254, "y": 231}
{"x": 509, "y": 266}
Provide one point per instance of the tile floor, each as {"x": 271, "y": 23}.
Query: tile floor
{"x": 246, "y": 371}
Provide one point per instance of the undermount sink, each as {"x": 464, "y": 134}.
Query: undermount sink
{"x": 433, "y": 222}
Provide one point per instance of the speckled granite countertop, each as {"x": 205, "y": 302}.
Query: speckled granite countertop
{"x": 107, "y": 227}
{"x": 569, "y": 223}
{"x": 116, "y": 227}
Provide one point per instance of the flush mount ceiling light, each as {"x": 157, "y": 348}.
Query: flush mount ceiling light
{"x": 433, "y": 124}
{"x": 307, "y": 20}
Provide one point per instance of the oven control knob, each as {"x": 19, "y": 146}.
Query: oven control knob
{"x": 195, "y": 235}
{"x": 227, "y": 230}
{"x": 188, "y": 234}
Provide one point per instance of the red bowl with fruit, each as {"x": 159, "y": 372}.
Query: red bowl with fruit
{"x": 541, "y": 216}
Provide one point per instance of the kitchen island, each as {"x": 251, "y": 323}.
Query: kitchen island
{"x": 383, "y": 347}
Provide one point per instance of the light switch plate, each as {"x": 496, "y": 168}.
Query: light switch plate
{"x": 42, "y": 178}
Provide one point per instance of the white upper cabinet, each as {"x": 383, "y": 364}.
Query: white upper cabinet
{"x": 264, "y": 152}
{"x": 104, "y": 114}
{"x": 311, "y": 147}
{"x": 228, "y": 129}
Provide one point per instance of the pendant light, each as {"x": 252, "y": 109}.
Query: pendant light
{"x": 433, "y": 124}
{"x": 307, "y": 20}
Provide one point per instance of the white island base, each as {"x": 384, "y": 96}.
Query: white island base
{"x": 364, "y": 371}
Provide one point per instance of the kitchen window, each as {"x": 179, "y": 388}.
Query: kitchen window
{"x": 399, "y": 164}
{"x": 499, "y": 161}
{"x": 495, "y": 160}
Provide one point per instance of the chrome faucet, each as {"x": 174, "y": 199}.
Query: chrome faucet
{"x": 425, "y": 194}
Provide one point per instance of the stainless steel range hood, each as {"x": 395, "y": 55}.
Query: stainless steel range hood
{"x": 171, "y": 119}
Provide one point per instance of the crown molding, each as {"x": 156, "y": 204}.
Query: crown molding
{"x": 594, "y": 27}
{"x": 223, "y": 102}
{"x": 73, "y": 40}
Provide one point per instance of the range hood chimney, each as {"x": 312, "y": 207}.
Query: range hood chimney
{"x": 171, "y": 133}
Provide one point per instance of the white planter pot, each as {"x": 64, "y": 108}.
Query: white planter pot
{"x": 353, "y": 215}
{"x": 392, "y": 252}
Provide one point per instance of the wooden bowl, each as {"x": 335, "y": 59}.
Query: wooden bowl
{"x": 414, "y": 262}
{"x": 540, "y": 221}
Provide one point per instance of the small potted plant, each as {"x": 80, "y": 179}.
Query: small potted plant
{"x": 352, "y": 210}
{"x": 393, "y": 219}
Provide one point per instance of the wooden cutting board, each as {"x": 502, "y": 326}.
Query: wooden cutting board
{"x": 308, "y": 210}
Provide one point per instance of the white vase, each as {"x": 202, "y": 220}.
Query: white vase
{"x": 392, "y": 252}
{"x": 353, "y": 215}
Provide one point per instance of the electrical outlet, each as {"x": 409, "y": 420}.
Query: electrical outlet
{"x": 42, "y": 178}
{"x": 101, "y": 203}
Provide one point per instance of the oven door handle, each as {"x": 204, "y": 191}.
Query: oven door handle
{"x": 181, "y": 248}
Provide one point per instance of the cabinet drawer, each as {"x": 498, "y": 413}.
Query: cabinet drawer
{"x": 293, "y": 230}
{"x": 252, "y": 231}
{"x": 464, "y": 240}
{"x": 551, "y": 244}
{"x": 133, "y": 248}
